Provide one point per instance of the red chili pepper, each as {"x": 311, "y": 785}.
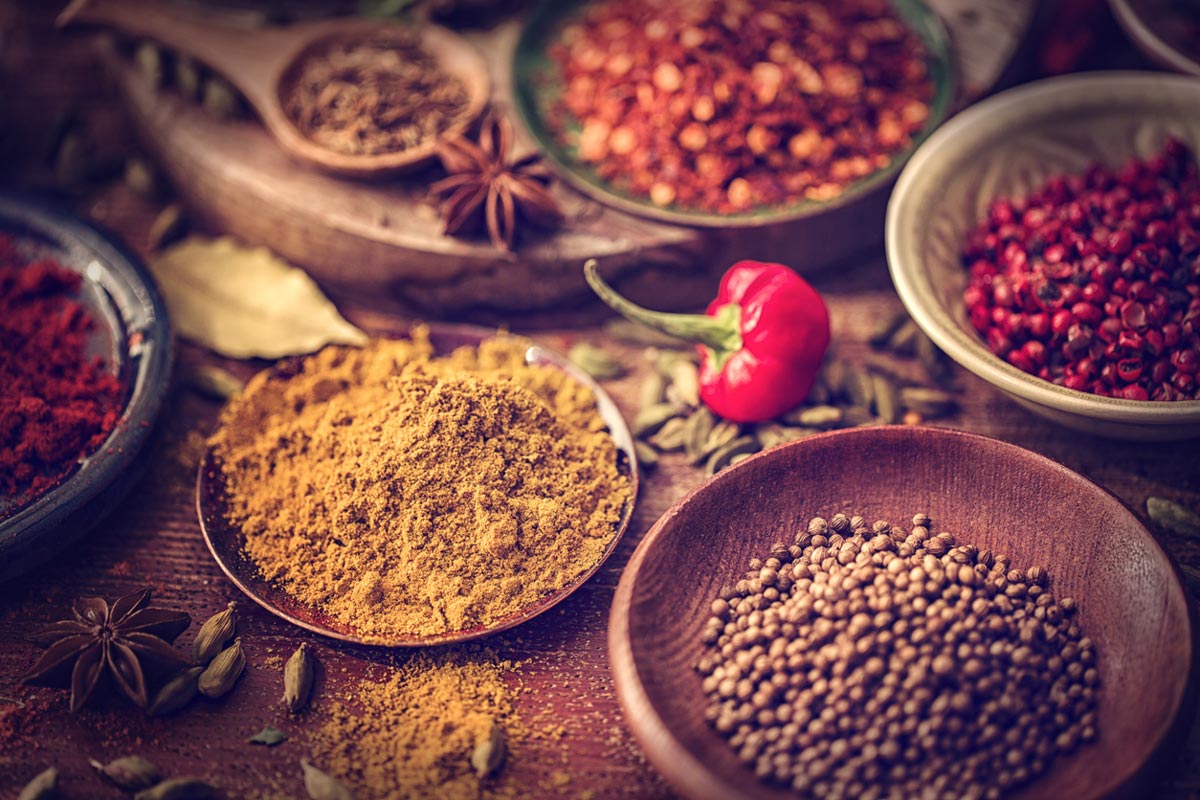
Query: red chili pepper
{"x": 761, "y": 341}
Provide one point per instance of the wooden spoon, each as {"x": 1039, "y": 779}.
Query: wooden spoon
{"x": 258, "y": 60}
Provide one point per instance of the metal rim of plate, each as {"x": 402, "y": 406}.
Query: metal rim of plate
{"x": 126, "y": 301}
{"x": 535, "y": 88}
{"x": 224, "y": 540}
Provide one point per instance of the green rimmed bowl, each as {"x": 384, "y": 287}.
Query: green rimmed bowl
{"x": 536, "y": 88}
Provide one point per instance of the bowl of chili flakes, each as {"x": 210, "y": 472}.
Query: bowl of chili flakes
{"x": 726, "y": 115}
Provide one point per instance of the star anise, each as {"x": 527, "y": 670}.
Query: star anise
{"x": 123, "y": 641}
{"x": 485, "y": 186}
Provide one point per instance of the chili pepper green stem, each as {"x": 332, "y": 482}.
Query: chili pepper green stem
{"x": 721, "y": 332}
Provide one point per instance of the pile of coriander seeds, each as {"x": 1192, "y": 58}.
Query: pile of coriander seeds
{"x": 870, "y": 661}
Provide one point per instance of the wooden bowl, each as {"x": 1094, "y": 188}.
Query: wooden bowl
{"x": 995, "y": 495}
{"x": 1006, "y": 146}
{"x": 225, "y": 539}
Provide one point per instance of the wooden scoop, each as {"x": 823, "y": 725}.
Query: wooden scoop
{"x": 257, "y": 61}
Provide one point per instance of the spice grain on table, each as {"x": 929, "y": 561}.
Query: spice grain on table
{"x": 532, "y": 712}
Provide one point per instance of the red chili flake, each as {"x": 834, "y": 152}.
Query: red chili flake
{"x": 1113, "y": 261}
{"x": 727, "y": 105}
{"x": 57, "y": 404}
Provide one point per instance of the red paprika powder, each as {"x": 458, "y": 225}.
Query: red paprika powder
{"x": 57, "y": 404}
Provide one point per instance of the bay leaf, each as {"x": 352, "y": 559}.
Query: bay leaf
{"x": 268, "y": 736}
{"x": 244, "y": 302}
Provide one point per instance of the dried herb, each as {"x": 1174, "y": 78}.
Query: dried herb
{"x": 131, "y": 773}
{"x": 321, "y": 786}
{"x": 298, "y": 675}
{"x": 375, "y": 95}
{"x": 122, "y": 641}
{"x": 245, "y": 302}
{"x": 268, "y": 736}
{"x": 487, "y": 187}
{"x": 1172, "y": 516}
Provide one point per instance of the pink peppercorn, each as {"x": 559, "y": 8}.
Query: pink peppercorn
{"x": 1093, "y": 281}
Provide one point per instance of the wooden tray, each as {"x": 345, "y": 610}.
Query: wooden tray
{"x": 381, "y": 244}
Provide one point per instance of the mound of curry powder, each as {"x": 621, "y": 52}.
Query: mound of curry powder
{"x": 409, "y": 495}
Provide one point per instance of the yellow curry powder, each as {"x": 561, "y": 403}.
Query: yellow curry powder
{"x": 409, "y": 732}
{"x": 403, "y": 494}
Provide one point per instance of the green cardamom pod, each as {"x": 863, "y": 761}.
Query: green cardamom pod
{"x": 904, "y": 340}
{"x": 646, "y": 455}
{"x": 651, "y": 418}
{"x": 685, "y": 383}
{"x": 218, "y": 98}
{"x": 176, "y": 693}
{"x": 887, "y": 398}
{"x": 929, "y": 403}
{"x": 187, "y": 77}
{"x": 44, "y": 786}
{"x": 131, "y": 773}
{"x": 823, "y": 417}
{"x": 699, "y": 426}
{"x": 298, "y": 675}
{"x": 1172, "y": 516}
{"x": 770, "y": 435}
{"x": 723, "y": 456}
{"x": 180, "y": 789}
{"x": 150, "y": 63}
{"x": 652, "y": 391}
{"x": 220, "y": 676}
{"x": 886, "y": 329}
{"x": 722, "y": 434}
{"x": 489, "y": 751}
{"x": 833, "y": 375}
{"x": 214, "y": 633}
{"x": 595, "y": 362}
{"x": 818, "y": 394}
{"x": 859, "y": 388}
{"x": 671, "y": 435}
{"x": 321, "y": 786}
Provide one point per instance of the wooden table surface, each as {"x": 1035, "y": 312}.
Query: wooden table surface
{"x": 154, "y": 540}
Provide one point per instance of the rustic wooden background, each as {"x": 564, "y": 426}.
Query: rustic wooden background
{"x": 154, "y": 539}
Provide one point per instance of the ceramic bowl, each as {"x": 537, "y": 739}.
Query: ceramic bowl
{"x": 225, "y": 539}
{"x": 537, "y": 87}
{"x": 1166, "y": 31}
{"x": 133, "y": 337}
{"x": 1007, "y": 145}
{"x": 989, "y": 493}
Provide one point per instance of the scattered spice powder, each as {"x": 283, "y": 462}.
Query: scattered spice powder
{"x": 58, "y": 403}
{"x": 376, "y": 95}
{"x": 406, "y": 495}
{"x": 410, "y": 733}
{"x": 723, "y": 105}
